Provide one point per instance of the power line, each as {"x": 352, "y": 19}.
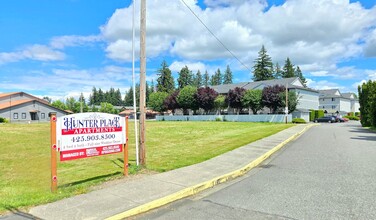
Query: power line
{"x": 223, "y": 45}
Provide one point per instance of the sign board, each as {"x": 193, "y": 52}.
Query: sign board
{"x": 89, "y": 134}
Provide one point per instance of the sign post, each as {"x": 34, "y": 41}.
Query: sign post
{"x": 84, "y": 135}
{"x": 53, "y": 120}
{"x": 126, "y": 148}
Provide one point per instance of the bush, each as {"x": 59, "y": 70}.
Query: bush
{"x": 319, "y": 113}
{"x": 218, "y": 119}
{"x": 311, "y": 115}
{"x": 298, "y": 121}
{"x": 357, "y": 114}
{"x": 351, "y": 114}
{"x": 355, "y": 118}
{"x": 3, "y": 120}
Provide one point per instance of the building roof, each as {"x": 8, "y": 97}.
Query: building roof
{"x": 335, "y": 93}
{"x": 14, "y": 103}
{"x": 292, "y": 83}
{"x": 10, "y": 94}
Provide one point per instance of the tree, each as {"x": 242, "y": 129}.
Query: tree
{"x": 298, "y": 73}
{"x": 185, "y": 78}
{"x": 293, "y": 100}
{"x": 216, "y": 79}
{"x": 253, "y": 100}
{"x": 206, "y": 79}
{"x": 198, "y": 81}
{"x": 288, "y": 69}
{"x": 171, "y": 102}
{"x": 156, "y": 101}
{"x": 59, "y": 104}
{"x": 227, "y": 77}
{"x": 165, "y": 81}
{"x": 205, "y": 98}
{"x": 70, "y": 103}
{"x": 93, "y": 100}
{"x": 367, "y": 102}
{"x": 220, "y": 103}
{"x": 263, "y": 68}
{"x": 186, "y": 99}
{"x": 107, "y": 108}
{"x": 277, "y": 71}
{"x": 271, "y": 97}
{"x": 234, "y": 97}
{"x": 48, "y": 99}
{"x": 101, "y": 97}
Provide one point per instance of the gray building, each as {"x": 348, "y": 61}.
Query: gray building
{"x": 308, "y": 98}
{"x": 23, "y": 107}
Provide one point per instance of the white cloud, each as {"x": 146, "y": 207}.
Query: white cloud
{"x": 33, "y": 52}
{"x": 73, "y": 40}
{"x": 370, "y": 48}
{"x": 176, "y": 66}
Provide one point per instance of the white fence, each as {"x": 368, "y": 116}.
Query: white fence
{"x": 242, "y": 118}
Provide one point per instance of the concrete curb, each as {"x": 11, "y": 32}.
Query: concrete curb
{"x": 189, "y": 191}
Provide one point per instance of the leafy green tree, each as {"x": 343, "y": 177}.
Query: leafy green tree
{"x": 220, "y": 103}
{"x": 263, "y": 68}
{"x": 234, "y": 98}
{"x": 185, "y": 78}
{"x": 227, "y": 77}
{"x": 165, "y": 81}
{"x": 59, "y": 104}
{"x": 298, "y": 73}
{"x": 271, "y": 97}
{"x": 206, "y": 79}
{"x": 108, "y": 108}
{"x": 187, "y": 100}
{"x": 205, "y": 98}
{"x": 156, "y": 101}
{"x": 292, "y": 100}
{"x": 288, "y": 69}
{"x": 70, "y": 103}
{"x": 367, "y": 102}
{"x": 253, "y": 100}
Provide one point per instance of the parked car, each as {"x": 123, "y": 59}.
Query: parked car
{"x": 339, "y": 119}
{"x": 328, "y": 119}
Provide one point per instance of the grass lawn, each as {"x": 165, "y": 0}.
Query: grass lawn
{"x": 25, "y": 156}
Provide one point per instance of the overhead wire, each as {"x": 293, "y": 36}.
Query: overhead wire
{"x": 211, "y": 32}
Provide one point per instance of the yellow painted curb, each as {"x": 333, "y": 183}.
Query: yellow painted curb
{"x": 207, "y": 184}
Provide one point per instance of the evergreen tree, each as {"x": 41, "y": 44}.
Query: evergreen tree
{"x": 288, "y": 69}
{"x": 298, "y": 73}
{"x": 216, "y": 79}
{"x": 227, "y": 78}
{"x": 206, "y": 79}
{"x": 165, "y": 81}
{"x": 101, "y": 97}
{"x": 128, "y": 98}
{"x": 263, "y": 68}
{"x": 94, "y": 97}
{"x": 277, "y": 71}
{"x": 185, "y": 78}
{"x": 198, "y": 81}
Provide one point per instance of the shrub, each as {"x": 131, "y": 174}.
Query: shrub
{"x": 311, "y": 115}
{"x": 3, "y": 120}
{"x": 218, "y": 119}
{"x": 355, "y": 118}
{"x": 298, "y": 121}
{"x": 357, "y": 114}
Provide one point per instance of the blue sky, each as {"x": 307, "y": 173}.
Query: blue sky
{"x": 64, "y": 47}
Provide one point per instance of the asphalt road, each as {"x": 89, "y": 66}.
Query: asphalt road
{"x": 327, "y": 173}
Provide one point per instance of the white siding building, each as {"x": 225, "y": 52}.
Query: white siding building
{"x": 333, "y": 102}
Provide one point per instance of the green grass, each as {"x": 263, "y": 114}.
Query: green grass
{"x": 25, "y": 156}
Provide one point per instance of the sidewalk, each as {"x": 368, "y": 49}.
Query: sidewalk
{"x": 142, "y": 194}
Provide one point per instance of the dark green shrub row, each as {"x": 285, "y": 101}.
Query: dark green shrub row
{"x": 311, "y": 115}
{"x": 298, "y": 121}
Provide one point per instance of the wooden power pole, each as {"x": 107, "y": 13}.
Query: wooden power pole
{"x": 142, "y": 150}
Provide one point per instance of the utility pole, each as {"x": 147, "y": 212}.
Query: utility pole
{"x": 142, "y": 82}
{"x": 287, "y": 103}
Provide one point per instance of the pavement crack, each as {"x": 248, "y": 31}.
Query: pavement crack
{"x": 248, "y": 210}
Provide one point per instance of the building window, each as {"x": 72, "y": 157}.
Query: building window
{"x": 333, "y": 107}
{"x": 42, "y": 115}
{"x": 24, "y": 115}
{"x": 333, "y": 99}
{"x": 15, "y": 115}
{"x": 323, "y": 107}
{"x": 323, "y": 100}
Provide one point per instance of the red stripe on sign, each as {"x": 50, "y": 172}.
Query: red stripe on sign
{"x": 90, "y": 152}
{"x": 91, "y": 130}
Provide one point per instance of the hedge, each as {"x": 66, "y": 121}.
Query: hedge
{"x": 298, "y": 121}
